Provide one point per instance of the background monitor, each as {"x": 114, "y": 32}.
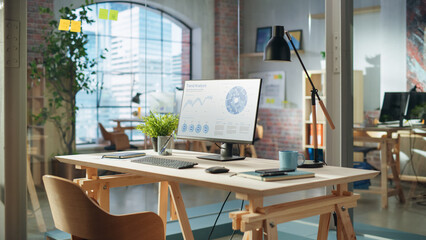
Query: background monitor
{"x": 416, "y": 107}
{"x": 220, "y": 111}
{"x": 393, "y": 107}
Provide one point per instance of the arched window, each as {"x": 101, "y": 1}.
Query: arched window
{"x": 148, "y": 53}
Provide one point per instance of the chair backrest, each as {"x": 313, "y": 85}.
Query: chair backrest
{"x": 258, "y": 135}
{"x": 105, "y": 134}
{"x": 74, "y": 212}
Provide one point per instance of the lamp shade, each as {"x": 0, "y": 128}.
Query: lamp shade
{"x": 136, "y": 98}
{"x": 277, "y": 48}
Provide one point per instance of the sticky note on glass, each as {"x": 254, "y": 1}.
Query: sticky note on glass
{"x": 113, "y": 15}
{"x": 270, "y": 100}
{"x": 75, "y": 26}
{"x": 64, "y": 25}
{"x": 103, "y": 13}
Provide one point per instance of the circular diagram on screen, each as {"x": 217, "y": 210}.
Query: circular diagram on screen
{"x": 191, "y": 127}
{"x": 206, "y": 128}
{"x": 236, "y": 100}
{"x": 198, "y": 128}
{"x": 184, "y": 127}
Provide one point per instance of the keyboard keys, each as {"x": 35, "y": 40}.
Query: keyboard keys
{"x": 164, "y": 162}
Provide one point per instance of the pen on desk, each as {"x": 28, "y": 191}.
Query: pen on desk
{"x": 167, "y": 142}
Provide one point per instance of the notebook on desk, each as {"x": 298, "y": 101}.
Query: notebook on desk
{"x": 290, "y": 175}
{"x": 124, "y": 155}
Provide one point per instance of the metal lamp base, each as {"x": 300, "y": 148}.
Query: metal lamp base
{"x": 311, "y": 164}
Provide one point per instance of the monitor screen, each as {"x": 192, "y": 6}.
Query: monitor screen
{"x": 220, "y": 110}
{"x": 394, "y": 106}
{"x": 416, "y": 105}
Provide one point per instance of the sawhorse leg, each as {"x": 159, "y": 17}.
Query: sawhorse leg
{"x": 180, "y": 210}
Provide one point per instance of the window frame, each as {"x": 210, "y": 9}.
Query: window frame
{"x": 163, "y": 15}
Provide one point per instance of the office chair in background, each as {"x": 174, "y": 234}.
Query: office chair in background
{"x": 118, "y": 140}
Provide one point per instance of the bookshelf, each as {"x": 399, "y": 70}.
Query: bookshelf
{"x": 318, "y": 78}
{"x": 36, "y": 135}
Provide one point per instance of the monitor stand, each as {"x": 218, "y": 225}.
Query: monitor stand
{"x": 225, "y": 154}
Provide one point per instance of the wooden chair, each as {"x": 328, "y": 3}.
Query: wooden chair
{"x": 119, "y": 140}
{"x": 74, "y": 212}
{"x": 258, "y": 135}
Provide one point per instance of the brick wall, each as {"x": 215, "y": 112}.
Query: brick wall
{"x": 36, "y": 23}
{"x": 186, "y": 55}
{"x": 282, "y": 131}
{"x": 226, "y": 39}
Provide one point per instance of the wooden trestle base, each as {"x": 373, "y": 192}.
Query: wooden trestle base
{"x": 258, "y": 221}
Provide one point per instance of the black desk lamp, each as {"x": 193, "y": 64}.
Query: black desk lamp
{"x": 136, "y": 98}
{"x": 278, "y": 50}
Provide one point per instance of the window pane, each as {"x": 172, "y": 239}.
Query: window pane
{"x": 174, "y": 61}
{"x": 138, "y": 55}
{"x": 84, "y": 99}
{"x": 120, "y": 50}
{"x": 171, "y": 81}
{"x": 138, "y": 21}
{"x": 119, "y": 28}
{"x": 171, "y": 31}
{"x": 116, "y": 90}
{"x": 86, "y": 126}
{"x": 153, "y": 56}
{"x": 106, "y": 116}
{"x": 154, "y": 24}
{"x": 153, "y": 66}
{"x": 92, "y": 14}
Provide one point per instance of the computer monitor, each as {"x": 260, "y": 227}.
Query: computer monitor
{"x": 220, "y": 111}
{"x": 393, "y": 107}
{"x": 416, "y": 108}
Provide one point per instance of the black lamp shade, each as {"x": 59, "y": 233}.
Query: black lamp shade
{"x": 136, "y": 98}
{"x": 277, "y": 48}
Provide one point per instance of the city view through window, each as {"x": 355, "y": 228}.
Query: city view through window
{"x": 148, "y": 52}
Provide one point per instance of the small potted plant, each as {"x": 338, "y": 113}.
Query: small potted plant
{"x": 158, "y": 125}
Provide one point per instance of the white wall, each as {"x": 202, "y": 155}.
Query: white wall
{"x": 393, "y": 69}
{"x": 198, "y": 14}
{"x": 367, "y": 56}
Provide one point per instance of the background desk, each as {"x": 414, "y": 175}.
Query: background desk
{"x": 252, "y": 190}
{"x": 119, "y": 128}
{"x": 390, "y": 158}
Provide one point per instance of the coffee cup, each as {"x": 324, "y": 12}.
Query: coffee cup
{"x": 289, "y": 160}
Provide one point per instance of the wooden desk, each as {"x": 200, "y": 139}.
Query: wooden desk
{"x": 119, "y": 128}
{"x": 256, "y": 219}
{"x": 388, "y": 147}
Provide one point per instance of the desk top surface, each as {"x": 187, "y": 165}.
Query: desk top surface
{"x": 386, "y": 128}
{"x": 325, "y": 176}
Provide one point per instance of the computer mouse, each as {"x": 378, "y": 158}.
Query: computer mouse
{"x": 217, "y": 169}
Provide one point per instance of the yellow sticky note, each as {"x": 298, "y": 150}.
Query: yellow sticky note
{"x": 113, "y": 15}
{"x": 64, "y": 25}
{"x": 270, "y": 100}
{"x": 103, "y": 13}
{"x": 75, "y": 26}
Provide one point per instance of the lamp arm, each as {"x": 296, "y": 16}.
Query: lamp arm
{"x": 324, "y": 109}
